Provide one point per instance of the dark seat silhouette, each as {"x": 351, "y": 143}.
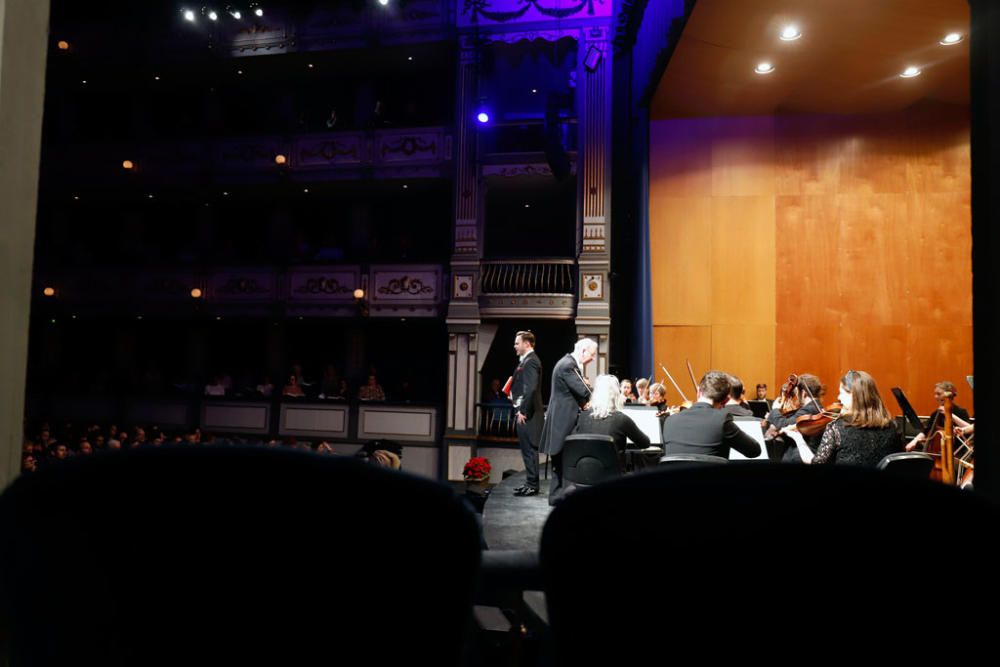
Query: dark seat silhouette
{"x": 590, "y": 459}
{"x": 913, "y": 465}
{"x": 781, "y": 563}
{"x": 691, "y": 459}
{"x": 233, "y": 556}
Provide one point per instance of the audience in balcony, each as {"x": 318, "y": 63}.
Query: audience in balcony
{"x": 216, "y": 387}
{"x": 293, "y": 389}
{"x": 372, "y": 390}
{"x": 329, "y": 385}
{"x": 265, "y": 388}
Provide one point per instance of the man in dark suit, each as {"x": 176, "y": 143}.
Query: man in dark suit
{"x": 525, "y": 391}
{"x": 705, "y": 428}
{"x": 569, "y": 394}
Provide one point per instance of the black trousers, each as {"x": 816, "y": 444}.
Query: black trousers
{"x": 528, "y": 435}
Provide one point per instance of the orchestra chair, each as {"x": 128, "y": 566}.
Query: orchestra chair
{"x": 589, "y": 459}
{"x": 912, "y": 465}
{"x": 691, "y": 459}
{"x": 776, "y": 564}
{"x": 233, "y": 555}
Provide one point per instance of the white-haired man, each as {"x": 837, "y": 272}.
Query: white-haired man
{"x": 569, "y": 393}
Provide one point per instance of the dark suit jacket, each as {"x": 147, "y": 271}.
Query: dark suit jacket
{"x": 525, "y": 390}
{"x": 701, "y": 429}
{"x": 569, "y": 393}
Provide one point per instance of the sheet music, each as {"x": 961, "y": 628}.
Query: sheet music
{"x": 804, "y": 452}
{"x": 647, "y": 421}
{"x": 750, "y": 426}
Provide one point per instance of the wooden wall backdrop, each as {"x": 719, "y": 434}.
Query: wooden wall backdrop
{"x": 815, "y": 244}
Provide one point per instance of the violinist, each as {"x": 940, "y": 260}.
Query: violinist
{"x": 865, "y": 432}
{"x": 627, "y": 394}
{"x": 642, "y": 389}
{"x": 658, "y": 400}
{"x": 800, "y": 397}
{"x": 736, "y": 406}
{"x": 936, "y": 420}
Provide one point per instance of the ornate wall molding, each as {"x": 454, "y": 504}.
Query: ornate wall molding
{"x": 331, "y": 150}
{"x": 243, "y": 286}
{"x": 326, "y": 286}
{"x": 500, "y": 12}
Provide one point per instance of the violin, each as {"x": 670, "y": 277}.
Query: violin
{"x": 812, "y": 425}
{"x": 791, "y": 401}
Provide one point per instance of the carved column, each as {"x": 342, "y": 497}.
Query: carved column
{"x": 463, "y": 307}
{"x": 593, "y": 317}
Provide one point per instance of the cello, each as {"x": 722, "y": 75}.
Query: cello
{"x": 940, "y": 445}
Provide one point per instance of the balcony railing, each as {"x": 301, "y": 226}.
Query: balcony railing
{"x": 528, "y": 277}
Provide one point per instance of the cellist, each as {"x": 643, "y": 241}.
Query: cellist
{"x": 958, "y": 413}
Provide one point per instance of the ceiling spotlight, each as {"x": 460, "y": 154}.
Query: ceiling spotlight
{"x": 764, "y": 68}
{"x": 225, "y": 194}
{"x": 189, "y": 15}
{"x": 410, "y": 58}
{"x": 483, "y": 117}
{"x": 64, "y": 45}
{"x": 280, "y": 159}
{"x": 534, "y": 90}
{"x": 949, "y": 39}
{"x": 156, "y": 78}
{"x": 212, "y": 15}
{"x": 239, "y": 71}
{"x": 150, "y": 196}
{"x": 527, "y": 206}
{"x": 258, "y": 11}
{"x": 128, "y": 164}
{"x": 383, "y": 2}
{"x": 76, "y": 197}
{"x": 910, "y": 72}
{"x": 311, "y": 65}
{"x": 235, "y": 13}
{"x": 84, "y": 82}
{"x": 405, "y": 186}
{"x": 790, "y": 33}
{"x": 305, "y": 190}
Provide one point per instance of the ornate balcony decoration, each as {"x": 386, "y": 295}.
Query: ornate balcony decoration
{"x": 540, "y": 289}
{"x": 406, "y": 290}
{"x": 501, "y": 12}
{"x": 317, "y": 287}
{"x": 331, "y": 150}
{"x": 250, "y": 286}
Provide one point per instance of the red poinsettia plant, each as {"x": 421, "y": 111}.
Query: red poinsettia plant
{"x": 477, "y": 469}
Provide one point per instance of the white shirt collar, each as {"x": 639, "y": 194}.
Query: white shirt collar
{"x": 525, "y": 356}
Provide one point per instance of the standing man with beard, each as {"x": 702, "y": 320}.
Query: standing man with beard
{"x": 525, "y": 391}
{"x": 569, "y": 393}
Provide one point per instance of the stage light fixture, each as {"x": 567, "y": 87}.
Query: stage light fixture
{"x": 593, "y": 58}
{"x": 790, "y": 33}
{"x": 212, "y": 15}
{"x": 63, "y": 45}
{"x": 384, "y": 3}
{"x": 764, "y": 68}
{"x": 235, "y": 13}
{"x": 951, "y": 38}
{"x": 188, "y": 15}
{"x": 910, "y": 72}
{"x": 258, "y": 11}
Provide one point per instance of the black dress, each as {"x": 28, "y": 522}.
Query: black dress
{"x": 846, "y": 444}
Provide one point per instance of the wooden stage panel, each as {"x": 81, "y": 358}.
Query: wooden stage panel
{"x": 680, "y": 254}
{"x": 742, "y": 245}
{"x": 672, "y": 346}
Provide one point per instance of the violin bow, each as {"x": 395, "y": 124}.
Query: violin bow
{"x": 671, "y": 378}
{"x": 691, "y": 373}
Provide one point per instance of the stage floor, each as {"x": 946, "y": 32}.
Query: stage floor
{"x": 514, "y": 523}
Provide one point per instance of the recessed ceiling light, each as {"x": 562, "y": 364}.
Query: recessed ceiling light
{"x": 84, "y": 82}
{"x": 188, "y": 15}
{"x": 527, "y": 206}
{"x": 305, "y": 190}
{"x": 410, "y": 58}
{"x": 239, "y": 71}
{"x": 212, "y": 16}
{"x": 790, "y": 33}
{"x": 258, "y": 11}
{"x": 405, "y": 186}
{"x": 225, "y": 194}
{"x": 910, "y": 72}
{"x": 534, "y": 90}
{"x": 764, "y": 68}
{"x": 951, "y": 38}
{"x": 310, "y": 65}
{"x": 156, "y": 78}
{"x": 235, "y": 13}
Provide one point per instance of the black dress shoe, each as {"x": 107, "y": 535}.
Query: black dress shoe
{"x": 528, "y": 491}
{"x": 520, "y": 489}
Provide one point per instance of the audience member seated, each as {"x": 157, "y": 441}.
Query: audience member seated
{"x": 372, "y": 390}
{"x": 761, "y": 391}
{"x": 494, "y": 394}
{"x": 386, "y": 459}
{"x": 606, "y": 418}
{"x": 865, "y": 433}
{"x": 265, "y": 388}
{"x": 705, "y": 428}
{"x": 329, "y": 385}
{"x": 216, "y": 388}
{"x": 292, "y": 389}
